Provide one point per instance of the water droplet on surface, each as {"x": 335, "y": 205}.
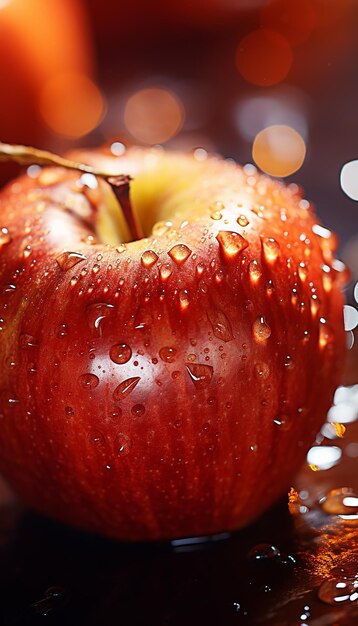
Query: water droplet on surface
{"x": 69, "y": 411}
{"x": 168, "y": 354}
{"x": 179, "y": 253}
{"x": 124, "y": 444}
{"x": 54, "y": 598}
{"x": 338, "y": 591}
{"x": 263, "y": 552}
{"x": 343, "y": 501}
{"x": 242, "y": 220}
{"x": 5, "y": 236}
{"x": 125, "y": 388}
{"x": 88, "y": 381}
{"x": 120, "y": 353}
{"x": 260, "y": 329}
{"x": 255, "y": 270}
{"x": 231, "y": 243}
{"x": 220, "y": 324}
{"x": 216, "y": 215}
{"x": 138, "y": 410}
{"x": 96, "y": 314}
{"x": 271, "y": 249}
{"x": 149, "y": 258}
{"x": 67, "y": 260}
{"x": 200, "y": 374}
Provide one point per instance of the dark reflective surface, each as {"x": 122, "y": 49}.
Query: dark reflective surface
{"x": 52, "y": 574}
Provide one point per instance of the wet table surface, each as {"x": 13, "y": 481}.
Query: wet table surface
{"x": 298, "y": 564}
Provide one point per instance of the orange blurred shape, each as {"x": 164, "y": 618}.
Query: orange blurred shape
{"x": 279, "y": 150}
{"x": 294, "y": 19}
{"x": 264, "y": 57}
{"x": 153, "y": 115}
{"x": 37, "y": 40}
{"x": 71, "y": 104}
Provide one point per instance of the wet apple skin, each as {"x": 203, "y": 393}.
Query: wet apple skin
{"x": 204, "y": 425}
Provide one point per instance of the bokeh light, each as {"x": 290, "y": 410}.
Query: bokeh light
{"x": 294, "y": 19}
{"x": 264, "y": 57}
{"x": 154, "y": 115}
{"x": 350, "y": 315}
{"x": 349, "y": 179}
{"x": 279, "y": 150}
{"x": 281, "y": 105}
{"x": 71, "y": 104}
{"x": 323, "y": 457}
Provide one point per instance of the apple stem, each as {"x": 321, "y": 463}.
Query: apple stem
{"x": 26, "y": 155}
{"x": 121, "y": 189}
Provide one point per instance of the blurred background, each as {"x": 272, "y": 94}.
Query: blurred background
{"x": 273, "y": 82}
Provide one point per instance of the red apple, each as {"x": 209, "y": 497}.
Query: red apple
{"x": 169, "y": 386}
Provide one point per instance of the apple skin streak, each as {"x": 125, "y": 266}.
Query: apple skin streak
{"x": 230, "y": 371}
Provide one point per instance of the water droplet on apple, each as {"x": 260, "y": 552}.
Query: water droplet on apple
{"x": 61, "y": 331}
{"x": 242, "y": 220}
{"x": 138, "y": 410}
{"x": 96, "y": 314}
{"x": 67, "y": 260}
{"x": 168, "y": 354}
{"x": 184, "y": 300}
{"x": 302, "y": 271}
{"x": 337, "y": 591}
{"x": 342, "y": 501}
{"x": 121, "y": 248}
{"x": 326, "y": 334}
{"x": 289, "y": 362}
{"x": 260, "y": 329}
{"x": 231, "y": 243}
{"x": 96, "y": 438}
{"x": 165, "y": 271}
{"x": 125, "y": 388}
{"x": 216, "y": 215}
{"x": 271, "y": 249}
{"x": 315, "y": 304}
{"x": 262, "y": 370}
{"x": 200, "y": 374}
{"x": 27, "y": 252}
{"x": 179, "y": 253}
{"x": 88, "y": 381}
{"x": 69, "y": 411}
{"x": 120, "y": 353}
{"x": 255, "y": 271}
{"x": 149, "y": 258}
{"x": 283, "y": 422}
{"x": 220, "y": 325}
{"x": 124, "y": 444}
{"x": 5, "y": 236}
{"x": 28, "y": 341}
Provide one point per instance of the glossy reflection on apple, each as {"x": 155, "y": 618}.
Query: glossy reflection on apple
{"x": 162, "y": 376}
